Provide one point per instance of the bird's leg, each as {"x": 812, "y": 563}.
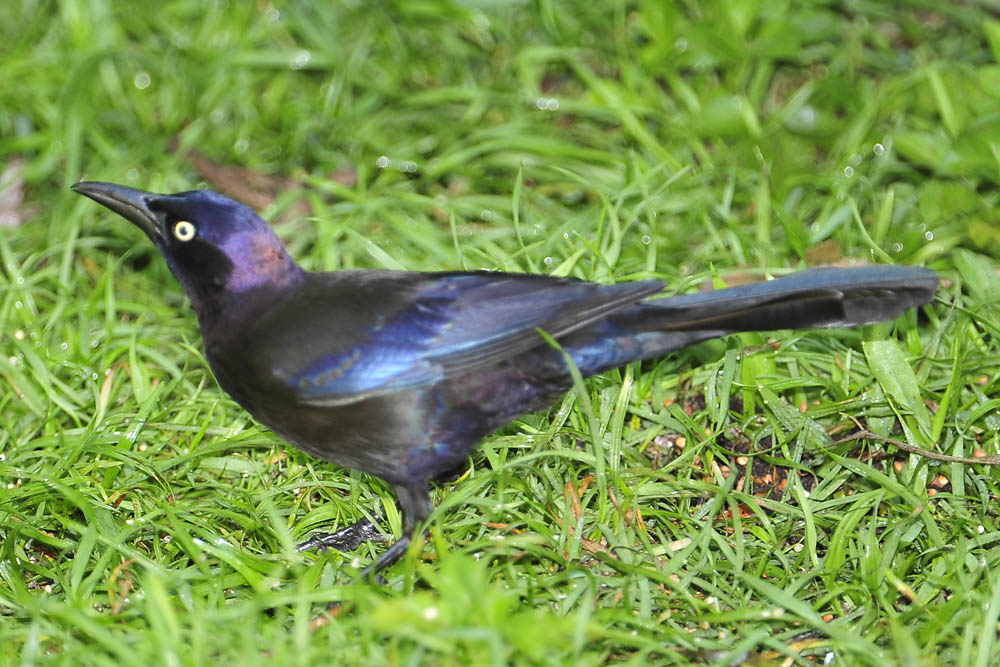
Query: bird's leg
{"x": 345, "y": 539}
{"x": 415, "y": 502}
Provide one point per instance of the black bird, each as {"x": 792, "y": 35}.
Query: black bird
{"x": 401, "y": 374}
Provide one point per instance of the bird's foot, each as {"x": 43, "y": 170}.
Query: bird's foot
{"x": 345, "y": 539}
{"x": 388, "y": 557}
{"x": 350, "y": 538}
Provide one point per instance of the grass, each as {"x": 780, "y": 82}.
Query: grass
{"x": 146, "y": 519}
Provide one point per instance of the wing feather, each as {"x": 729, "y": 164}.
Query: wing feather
{"x": 359, "y": 334}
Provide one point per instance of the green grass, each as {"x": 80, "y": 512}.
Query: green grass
{"x": 146, "y": 519}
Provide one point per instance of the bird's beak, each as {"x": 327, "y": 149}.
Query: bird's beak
{"x": 131, "y": 204}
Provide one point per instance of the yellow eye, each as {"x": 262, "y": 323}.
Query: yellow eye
{"x": 184, "y": 230}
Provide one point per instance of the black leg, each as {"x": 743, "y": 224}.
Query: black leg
{"x": 415, "y": 503}
{"x": 388, "y": 557}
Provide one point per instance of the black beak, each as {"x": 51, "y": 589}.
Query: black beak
{"x": 131, "y": 204}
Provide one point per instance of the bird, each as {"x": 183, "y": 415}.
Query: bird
{"x": 402, "y": 374}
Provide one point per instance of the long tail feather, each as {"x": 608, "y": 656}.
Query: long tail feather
{"x": 812, "y": 299}
{"x": 807, "y": 300}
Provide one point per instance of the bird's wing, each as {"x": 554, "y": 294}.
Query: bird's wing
{"x": 405, "y": 334}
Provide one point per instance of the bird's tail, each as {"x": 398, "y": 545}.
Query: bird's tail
{"x": 818, "y": 298}
{"x": 828, "y": 297}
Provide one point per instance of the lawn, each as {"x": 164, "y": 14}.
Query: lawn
{"x": 741, "y": 500}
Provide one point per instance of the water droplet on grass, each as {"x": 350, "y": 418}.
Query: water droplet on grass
{"x": 301, "y": 59}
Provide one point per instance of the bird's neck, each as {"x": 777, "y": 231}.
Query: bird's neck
{"x": 228, "y": 306}
{"x": 230, "y": 313}
{"x": 231, "y": 290}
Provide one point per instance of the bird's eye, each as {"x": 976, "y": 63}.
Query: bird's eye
{"x": 184, "y": 230}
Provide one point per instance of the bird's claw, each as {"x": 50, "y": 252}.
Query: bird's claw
{"x": 345, "y": 539}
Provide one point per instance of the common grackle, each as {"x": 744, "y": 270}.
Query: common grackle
{"x": 401, "y": 374}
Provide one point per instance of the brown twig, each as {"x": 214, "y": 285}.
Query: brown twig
{"x": 926, "y": 453}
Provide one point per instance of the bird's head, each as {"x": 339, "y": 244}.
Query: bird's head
{"x": 219, "y": 250}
